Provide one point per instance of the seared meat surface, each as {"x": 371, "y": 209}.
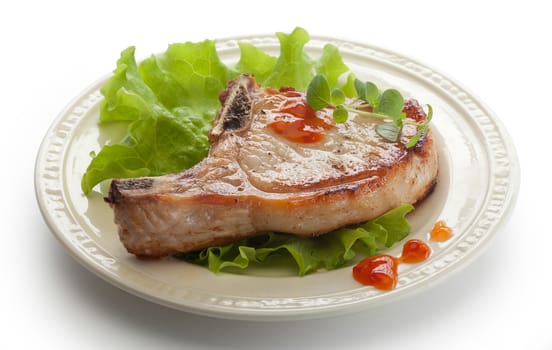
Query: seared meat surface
{"x": 274, "y": 165}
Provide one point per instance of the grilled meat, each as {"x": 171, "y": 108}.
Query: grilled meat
{"x": 274, "y": 165}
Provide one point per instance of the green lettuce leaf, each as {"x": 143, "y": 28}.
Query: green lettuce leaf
{"x": 329, "y": 251}
{"x": 331, "y": 65}
{"x": 169, "y": 102}
{"x": 198, "y": 70}
{"x": 126, "y": 95}
{"x": 255, "y": 61}
{"x": 294, "y": 67}
{"x": 153, "y": 147}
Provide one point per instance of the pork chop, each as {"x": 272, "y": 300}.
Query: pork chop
{"x": 274, "y": 165}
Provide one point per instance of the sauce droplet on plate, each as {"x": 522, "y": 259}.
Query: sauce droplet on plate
{"x": 414, "y": 251}
{"x": 380, "y": 271}
{"x": 440, "y": 232}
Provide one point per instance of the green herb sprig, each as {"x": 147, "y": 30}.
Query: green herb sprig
{"x": 386, "y": 105}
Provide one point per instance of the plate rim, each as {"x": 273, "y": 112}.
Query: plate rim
{"x": 512, "y": 172}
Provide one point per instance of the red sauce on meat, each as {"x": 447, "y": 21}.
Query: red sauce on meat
{"x": 295, "y": 120}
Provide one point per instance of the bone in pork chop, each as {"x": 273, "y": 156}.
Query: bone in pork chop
{"x": 274, "y": 165}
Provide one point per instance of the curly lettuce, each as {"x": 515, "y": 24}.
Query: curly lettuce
{"x": 168, "y": 102}
{"x": 330, "y": 251}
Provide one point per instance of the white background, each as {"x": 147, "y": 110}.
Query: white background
{"x": 52, "y": 50}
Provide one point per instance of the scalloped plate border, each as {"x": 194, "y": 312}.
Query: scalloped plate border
{"x": 502, "y": 188}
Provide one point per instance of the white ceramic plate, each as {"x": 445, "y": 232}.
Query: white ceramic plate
{"x": 478, "y": 183}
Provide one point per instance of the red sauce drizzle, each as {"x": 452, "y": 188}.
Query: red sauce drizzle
{"x": 380, "y": 271}
{"x": 295, "y": 120}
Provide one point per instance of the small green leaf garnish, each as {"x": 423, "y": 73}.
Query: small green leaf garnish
{"x": 389, "y": 130}
{"x": 318, "y": 92}
{"x": 391, "y": 104}
{"x": 360, "y": 89}
{"x": 368, "y": 92}
{"x": 340, "y": 114}
{"x": 387, "y": 106}
{"x": 422, "y": 129}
